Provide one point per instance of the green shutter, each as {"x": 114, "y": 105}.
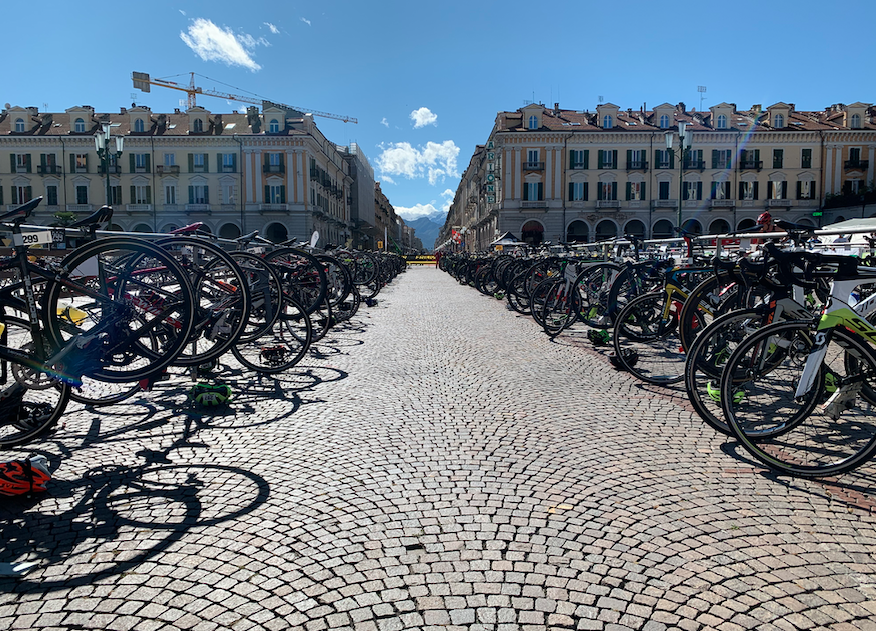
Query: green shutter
{"x": 148, "y": 194}
{"x": 43, "y": 161}
{"x": 799, "y": 189}
{"x": 644, "y": 196}
{"x": 27, "y": 162}
{"x": 282, "y": 162}
{"x": 28, "y": 192}
{"x": 784, "y": 190}
{"x": 132, "y": 162}
{"x": 699, "y": 190}
{"x": 267, "y": 194}
{"x": 811, "y": 191}
{"x": 206, "y": 194}
{"x": 283, "y": 194}
{"x": 234, "y": 162}
{"x": 614, "y": 189}
{"x": 756, "y": 186}
{"x": 586, "y": 158}
{"x": 629, "y": 158}
{"x": 191, "y": 192}
{"x": 599, "y": 159}
{"x": 741, "y": 191}
{"x": 671, "y": 160}
{"x": 133, "y": 194}
{"x": 525, "y": 192}
{"x": 12, "y": 164}
{"x": 540, "y": 191}
{"x": 714, "y": 160}
{"x": 571, "y": 190}
{"x": 756, "y": 156}
{"x": 586, "y": 192}
{"x": 770, "y": 189}
{"x": 614, "y": 159}
{"x": 206, "y": 163}
{"x": 629, "y": 188}
{"x": 599, "y": 191}
{"x": 148, "y": 163}
{"x": 191, "y": 164}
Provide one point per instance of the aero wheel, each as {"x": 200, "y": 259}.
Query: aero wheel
{"x": 118, "y": 296}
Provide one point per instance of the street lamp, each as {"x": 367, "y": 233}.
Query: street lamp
{"x": 101, "y": 144}
{"x": 684, "y": 141}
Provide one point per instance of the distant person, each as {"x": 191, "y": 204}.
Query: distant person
{"x": 841, "y": 239}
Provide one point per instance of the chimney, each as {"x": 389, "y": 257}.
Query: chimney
{"x": 681, "y": 107}
{"x": 123, "y": 110}
{"x": 556, "y": 109}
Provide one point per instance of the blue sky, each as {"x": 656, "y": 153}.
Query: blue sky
{"x": 425, "y": 80}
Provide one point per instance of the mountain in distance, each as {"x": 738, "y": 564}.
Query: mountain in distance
{"x": 426, "y": 230}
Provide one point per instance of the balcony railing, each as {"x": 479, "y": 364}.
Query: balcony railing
{"x": 665, "y": 203}
{"x": 112, "y": 169}
{"x": 167, "y": 169}
{"x": 533, "y": 166}
{"x": 198, "y": 208}
{"x": 78, "y": 208}
{"x": 272, "y": 168}
{"x": 637, "y": 165}
{"x": 723, "y": 203}
{"x": 533, "y": 204}
{"x": 747, "y": 165}
{"x": 49, "y": 169}
{"x": 857, "y": 164}
{"x": 695, "y": 165}
{"x": 779, "y": 203}
{"x": 138, "y": 208}
{"x": 273, "y": 207}
{"x": 229, "y": 168}
{"x": 607, "y": 203}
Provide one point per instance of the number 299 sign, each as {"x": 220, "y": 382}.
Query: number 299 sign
{"x": 33, "y": 238}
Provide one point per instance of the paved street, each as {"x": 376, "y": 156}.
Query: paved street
{"x": 440, "y": 463}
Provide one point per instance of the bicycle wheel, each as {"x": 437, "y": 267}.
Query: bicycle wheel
{"x": 631, "y": 282}
{"x": 266, "y": 294}
{"x": 827, "y": 431}
{"x": 26, "y": 413}
{"x": 706, "y": 359}
{"x": 561, "y": 308}
{"x": 221, "y": 297}
{"x": 120, "y": 295}
{"x": 303, "y": 277}
{"x": 593, "y": 285}
{"x": 282, "y": 345}
{"x": 646, "y": 340}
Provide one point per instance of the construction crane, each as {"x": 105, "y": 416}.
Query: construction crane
{"x": 142, "y": 81}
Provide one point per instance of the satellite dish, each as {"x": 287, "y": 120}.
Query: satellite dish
{"x": 314, "y": 238}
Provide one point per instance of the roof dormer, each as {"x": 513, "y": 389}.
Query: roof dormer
{"x": 606, "y": 115}
{"x": 275, "y": 120}
{"x": 780, "y": 115}
{"x": 663, "y": 116}
{"x": 532, "y": 116}
{"x": 855, "y": 115}
{"x": 140, "y": 119}
{"x": 81, "y": 119}
{"x": 722, "y": 115}
{"x": 199, "y": 120}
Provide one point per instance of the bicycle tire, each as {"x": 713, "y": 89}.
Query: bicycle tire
{"x": 282, "y": 346}
{"x": 594, "y": 284}
{"x": 646, "y": 344}
{"x": 302, "y": 275}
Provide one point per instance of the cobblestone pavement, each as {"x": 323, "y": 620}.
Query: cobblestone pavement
{"x": 440, "y": 464}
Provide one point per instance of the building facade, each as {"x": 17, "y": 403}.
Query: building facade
{"x": 271, "y": 171}
{"x": 564, "y": 175}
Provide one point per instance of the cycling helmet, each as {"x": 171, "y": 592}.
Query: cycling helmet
{"x": 764, "y": 219}
{"x": 18, "y": 477}
{"x": 207, "y": 395}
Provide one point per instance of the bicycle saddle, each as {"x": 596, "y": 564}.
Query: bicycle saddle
{"x": 101, "y": 215}
{"x": 22, "y": 212}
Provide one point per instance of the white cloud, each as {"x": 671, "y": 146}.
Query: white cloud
{"x": 273, "y": 28}
{"x": 384, "y": 122}
{"x": 420, "y": 210}
{"x": 423, "y": 117}
{"x": 213, "y": 43}
{"x": 306, "y": 21}
{"x": 181, "y": 11}
{"x": 434, "y": 161}
{"x": 386, "y": 179}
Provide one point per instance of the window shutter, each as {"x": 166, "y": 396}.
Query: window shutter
{"x": 741, "y": 191}
{"x": 699, "y": 190}
{"x": 599, "y": 160}
{"x": 714, "y": 161}
{"x": 671, "y": 160}
{"x": 234, "y": 162}
{"x": 283, "y": 194}
{"x": 267, "y": 161}
{"x": 191, "y": 190}
{"x": 206, "y": 194}
{"x": 43, "y": 161}
{"x": 614, "y": 189}
{"x": 629, "y": 157}
{"x": 629, "y": 190}
{"x": 756, "y": 156}
{"x": 72, "y": 163}
{"x": 799, "y": 189}
{"x": 28, "y": 192}
{"x": 27, "y": 162}
{"x": 586, "y": 196}
{"x": 12, "y": 164}
{"x": 133, "y": 194}
{"x": 770, "y": 189}
{"x": 784, "y": 190}
{"x": 282, "y": 162}
{"x": 206, "y": 163}
{"x": 614, "y": 159}
{"x": 132, "y": 162}
{"x": 191, "y": 164}
{"x": 642, "y": 188}
{"x": 572, "y": 159}
{"x": 540, "y": 191}
{"x": 148, "y": 163}
{"x": 811, "y": 190}
{"x": 756, "y": 186}
{"x": 525, "y": 192}
{"x": 267, "y": 194}
{"x": 586, "y": 158}
{"x": 599, "y": 189}
{"x": 571, "y": 190}
{"x": 714, "y": 193}
{"x": 148, "y": 194}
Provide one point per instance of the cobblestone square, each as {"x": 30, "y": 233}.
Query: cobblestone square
{"x": 436, "y": 463}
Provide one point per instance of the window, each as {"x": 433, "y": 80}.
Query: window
{"x": 229, "y": 162}
{"x": 274, "y": 126}
{"x": 169, "y": 159}
{"x": 198, "y": 125}
{"x": 608, "y": 191}
{"x": 721, "y": 158}
{"x": 777, "y": 190}
{"x": 170, "y": 195}
{"x": 607, "y": 122}
{"x": 806, "y": 189}
{"x": 607, "y": 159}
{"x": 663, "y": 190}
{"x": 116, "y": 192}
{"x": 578, "y": 191}
{"x": 141, "y": 195}
{"x": 694, "y": 159}
{"x": 778, "y": 121}
{"x": 22, "y": 163}
{"x": 778, "y": 158}
{"x": 722, "y": 122}
{"x": 533, "y": 122}
{"x": 533, "y": 191}
{"x": 532, "y": 155}
{"x": 19, "y": 124}
{"x": 635, "y": 191}
{"x": 81, "y": 194}
{"x": 51, "y": 195}
{"x": 856, "y": 121}
{"x": 79, "y": 126}
{"x": 229, "y": 195}
{"x": 198, "y": 162}
{"x": 854, "y": 156}
{"x": 141, "y": 161}
{"x": 693, "y": 190}
{"x": 636, "y": 159}
{"x": 664, "y": 159}
{"x": 748, "y": 191}
{"x": 806, "y": 159}
{"x": 21, "y": 194}
{"x": 198, "y": 194}
{"x": 664, "y": 122}
{"x": 139, "y": 125}
{"x": 720, "y": 190}
{"x": 276, "y": 194}
{"x": 80, "y": 161}
{"x": 274, "y": 159}
{"x": 578, "y": 159}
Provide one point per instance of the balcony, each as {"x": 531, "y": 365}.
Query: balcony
{"x": 723, "y": 203}
{"x": 198, "y": 208}
{"x": 666, "y": 203}
{"x": 276, "y": 208}
{"x": 778, "y": 203}
{"x": 272, "y": 168}
{"x": 533, "y": 166}
{"x": 857, "y": 164}
{"x": 138, "y": 208}
{"x": 167, "y": 169}
{"x": 229, "y": 168}
{"x": 694, "y": 165}
{"x": 112, "y": 169}
{"x": 49, "y": 169}
{"x": 534, "y": 204}
{"x": 637, "y": 165}
{"x": 607, "y": 203}
{"x": 78, "y": 208}
{"x": 749, "y": 165}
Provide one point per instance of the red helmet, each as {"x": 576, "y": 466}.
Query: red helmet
{"x": 18, "y": 477}
{"x": 764, "y": 219}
